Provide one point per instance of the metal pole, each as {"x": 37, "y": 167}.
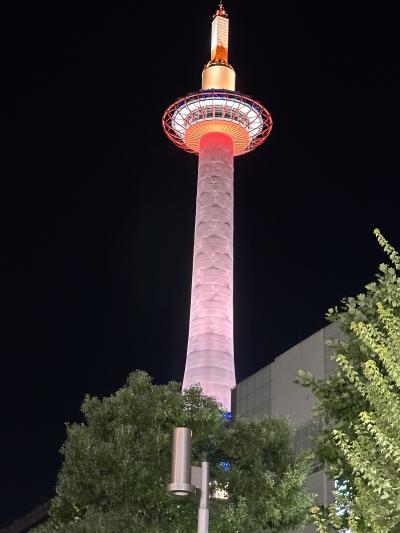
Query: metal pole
{"x": 204, "y": 510}
{"x": 186, "y": 478}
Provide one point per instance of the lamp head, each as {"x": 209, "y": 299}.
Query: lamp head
{"x": 181, "y": 463}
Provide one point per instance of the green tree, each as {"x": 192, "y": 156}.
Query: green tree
{"x": 361, "y": 407}
{"x": 117, "y": 465}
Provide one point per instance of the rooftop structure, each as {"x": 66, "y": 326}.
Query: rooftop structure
{"x": 218, "y": 123}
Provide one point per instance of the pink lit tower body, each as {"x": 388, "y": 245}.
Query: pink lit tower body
{"x": 217, "y": 123}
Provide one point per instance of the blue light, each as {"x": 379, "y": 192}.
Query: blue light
{"x": 228, "y": 416}
{"x": 226, "y": 465}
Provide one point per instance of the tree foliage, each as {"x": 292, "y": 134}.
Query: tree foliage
{"x": 361, "y": 406}
{"x": 117, "y": 465}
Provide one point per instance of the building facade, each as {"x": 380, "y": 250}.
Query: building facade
{"x": 271, "y": 392}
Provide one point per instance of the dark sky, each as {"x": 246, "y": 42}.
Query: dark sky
{"x": 97, "y": 205}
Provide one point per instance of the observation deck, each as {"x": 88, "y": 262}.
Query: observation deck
{"x": 241, "y": 117}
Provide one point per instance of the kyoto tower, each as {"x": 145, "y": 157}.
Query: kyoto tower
{"x": 218, "y": 123}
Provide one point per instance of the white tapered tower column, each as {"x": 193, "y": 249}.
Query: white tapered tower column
{"x": 210, "y": 357}
{"x": 218, "y": 123}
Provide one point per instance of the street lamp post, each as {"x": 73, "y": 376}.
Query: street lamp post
{"x": 187, "y": 479}
{"x": 204, "y": 508}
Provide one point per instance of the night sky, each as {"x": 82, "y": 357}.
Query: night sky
{"x": 97, "y": 205}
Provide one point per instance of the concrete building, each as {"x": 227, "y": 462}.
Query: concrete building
{"x": 272, "y": 392}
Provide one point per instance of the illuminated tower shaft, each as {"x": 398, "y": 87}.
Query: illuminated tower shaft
{"x": 218, "y": 123}
{"x": 210, "y": 358}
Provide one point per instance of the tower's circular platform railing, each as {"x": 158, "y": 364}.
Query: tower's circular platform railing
{"x": 241, "y": 117}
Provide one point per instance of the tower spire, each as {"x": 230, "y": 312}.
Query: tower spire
{"x": 220, "y": 36}
{"x": 221, "y": 11}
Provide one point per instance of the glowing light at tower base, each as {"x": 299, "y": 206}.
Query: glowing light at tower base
{"x": 210, "y": 357}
